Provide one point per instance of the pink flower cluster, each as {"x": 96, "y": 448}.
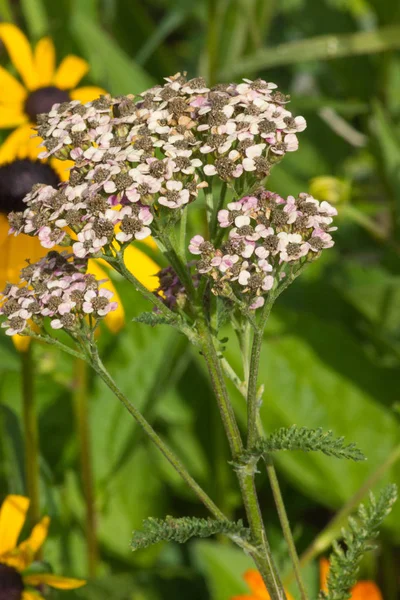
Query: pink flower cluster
{"x": 266, "y": 234}
{"x": 56, "y": 287}
{"x": 140, "y": 159}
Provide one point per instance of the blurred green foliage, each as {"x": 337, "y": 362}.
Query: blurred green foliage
{"x": 332, "y": 350}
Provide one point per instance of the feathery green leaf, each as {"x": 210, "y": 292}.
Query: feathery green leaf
{"x": 357, "y": 538}
{"x": 182, "y": 529}
{"x": 305, "y": 439}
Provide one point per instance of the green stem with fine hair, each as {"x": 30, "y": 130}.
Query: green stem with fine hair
{"x": 81, "y": 406}
{"x": 263, "y": 558}
{"x": 154, "y": 437}
{"x": 31, "y": 434}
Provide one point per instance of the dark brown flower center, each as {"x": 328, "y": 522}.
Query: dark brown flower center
{"x": 11, "y": 584}
{"x": 41, "y": 100}
{"x": 17, "y": 179}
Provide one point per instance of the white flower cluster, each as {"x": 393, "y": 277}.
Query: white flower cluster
{"x": 55, "y": 287}
{"x": 266, "y": 233}
{"x": 138, "y": 160}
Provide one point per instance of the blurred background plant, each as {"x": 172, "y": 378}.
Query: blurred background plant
{"x": 332, "y": 351}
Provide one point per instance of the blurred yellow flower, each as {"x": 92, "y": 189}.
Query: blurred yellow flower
{"x": 15, "y": 583}
{"x": 331, "y": 189}
{"x": 42, "y": 86}
{"x": 257, "y": 587}
{"x": 20, "y": 168}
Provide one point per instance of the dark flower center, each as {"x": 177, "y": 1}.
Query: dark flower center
{"x": 17, "y": 179}
{"x": 11, "y": 584}
{"x": 41, "y": 100}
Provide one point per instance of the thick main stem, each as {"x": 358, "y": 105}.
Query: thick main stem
{"x": 263, "y": 558}
{"x": 31, "y": 434}
{"x": 161, "y": 445}
{"x": 255, "y": 430}
{"x": 81, "y": 406}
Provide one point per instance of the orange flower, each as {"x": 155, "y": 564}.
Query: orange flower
{"x": 363, "y": 590}
{"x": 257, "y": 587}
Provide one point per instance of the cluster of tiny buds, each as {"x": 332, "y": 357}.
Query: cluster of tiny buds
{"x": 266, "y": 235}
{"x": 56, "y": 287}
{"x": 138, "y": 160}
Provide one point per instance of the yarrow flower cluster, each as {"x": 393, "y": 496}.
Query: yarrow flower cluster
{"x": 56, "y": 287}
{"x": 139, "y": 160}
{"x": 266, "y": 235}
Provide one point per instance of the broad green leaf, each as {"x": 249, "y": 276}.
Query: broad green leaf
{"x": 117, "y": 71}
{"x": 326, "y": 47}
{"x": 36, "y": 17}
{"x": 223, "y": 567}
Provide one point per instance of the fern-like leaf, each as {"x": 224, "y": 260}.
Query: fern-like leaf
{"x": 358, "y": 538}
{"x": 182, "y": 529}
{"x": 153, "y": 319}
{"x": 305, "y": 439}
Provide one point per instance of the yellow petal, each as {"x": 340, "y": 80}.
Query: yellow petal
{"x": 20, "y": 53}
{"x": 115, "y": 319}
{"x": 62, "y": 168}
{"x": 142, "y": 267}
{"x": 45, "y": 61}
{"x": 54, "y": 581}
{"x": 11, "y": 91}
{"x": 38, "y": 535}
{"x": 14, "y": 251}
{"x": 70, "y": 72}
{"x": 11, "y": 116}
{"x": 12, "y": 517}
{"x": 17, "y": 144}
{"x": 87, "y": 93}
{"x": 21, "y": 342}
{"x": 31, "y": 596}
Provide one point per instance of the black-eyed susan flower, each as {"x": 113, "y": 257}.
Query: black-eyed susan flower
{"x": 39, "y": 86}
{"x": 16, "y": 581}
{"x": 20, "y": 103}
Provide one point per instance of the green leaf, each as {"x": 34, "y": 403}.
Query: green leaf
{"x": 153, "y": 319}
{"x": 36, "y": 17}
{"x": 325, "y": 47}
{"x": 223, "y": 568}
{"x": 304, "y": 439}
{"x": 183, "y": 529}
{"x": 344, "y": 563}
{"x": 110, "y": 64}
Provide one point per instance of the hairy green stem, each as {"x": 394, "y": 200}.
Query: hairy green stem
{"x": 154, "y": 437}
{"x": 255, "y": 429}
{"x": 81, "y": 406}
{"x": 252, "y": 399}
{"x": 263, "y": 558}
{"x": 284, "y": 521}
{"x": 31, "y": 434}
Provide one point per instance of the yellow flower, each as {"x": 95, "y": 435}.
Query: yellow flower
{"x": 19, "y": 167}
{"x": 363, "y": 590}
{"x": 15, "y": 582}
{"x": 257, "y": 587}
{"x": 42, "y": 86}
